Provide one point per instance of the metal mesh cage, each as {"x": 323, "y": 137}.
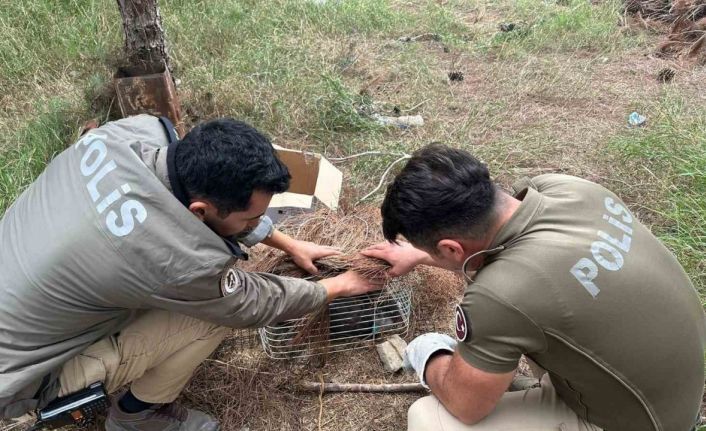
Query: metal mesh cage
{"x": 243, "y": 339}
{"x": 353, "y": 323}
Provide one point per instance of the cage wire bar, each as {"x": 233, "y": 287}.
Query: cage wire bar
{"x": 354, "y": 323}
{"x": 243, "y": 339}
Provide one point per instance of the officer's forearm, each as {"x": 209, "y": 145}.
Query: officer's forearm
{"x": 435, "y": 373}
{"x": 280, "y": 241}
{"x": 347, "y": 284}
{"x": 467, "y": 392}
{"x": 333, "y": 289}
{"x": 454, "y": 395}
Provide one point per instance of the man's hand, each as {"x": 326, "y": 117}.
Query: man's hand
{"x": 350, "y": 283}
{"x": 89, "y": 125}
{"x": 403, "y": 256}
{"x": 422, "y": 348}
{"x": 304, "y": 254}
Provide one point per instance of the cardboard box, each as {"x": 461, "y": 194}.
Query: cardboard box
{"x": 315, "y": 181}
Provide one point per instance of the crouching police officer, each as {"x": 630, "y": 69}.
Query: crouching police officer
{"x": 567, "y": 276}
{"x": 119, "y": 265}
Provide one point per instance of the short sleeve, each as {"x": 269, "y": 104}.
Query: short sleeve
{"x": 522, "y": 184}
{"x": 498, "y": 333}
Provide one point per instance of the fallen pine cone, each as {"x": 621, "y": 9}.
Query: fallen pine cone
{"x": 666, "y": 75}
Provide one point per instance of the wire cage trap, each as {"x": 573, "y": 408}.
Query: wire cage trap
{"x": 350, "y": 323}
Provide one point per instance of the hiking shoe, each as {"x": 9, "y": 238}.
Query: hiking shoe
{"x": 163, "y": 417}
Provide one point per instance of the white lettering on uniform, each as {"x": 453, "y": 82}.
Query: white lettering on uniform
{"x": 97, "y": 147}
{"x": 89, "y": 138}
{"x": 617, "y": 224}
{"x": 130, "y": 210}
{"x": 623, "y": 244}
{"x": 617, "y": 209}
{"x": 613, "y": 264}
{"x": 606, "y": 253}
{"x": 585, "y": 271}
{"x": 112, "y": 198}
{"x": 92, "y": 185}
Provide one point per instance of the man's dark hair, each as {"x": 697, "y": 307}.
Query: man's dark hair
{"x": 225, "y": 160}
{"x": 442, "y": 192}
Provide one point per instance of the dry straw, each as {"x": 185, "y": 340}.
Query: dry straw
{"x": 350, "y": 233}
{"x": 243, "y": 388}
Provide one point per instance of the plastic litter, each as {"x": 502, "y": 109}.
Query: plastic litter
{"x": 636, "y": 120}
{"x": 403, "y": 122}
{"x": 421, "y": 38}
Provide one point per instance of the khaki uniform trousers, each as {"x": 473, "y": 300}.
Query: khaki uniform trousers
{"x": 536, "y": 409}
{"x": 157, "y": 353}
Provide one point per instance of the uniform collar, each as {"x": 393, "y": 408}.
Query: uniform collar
{"x": 519, "y": 221}
{"x": 165, "y": 173}
{"x": 160, "y": 167}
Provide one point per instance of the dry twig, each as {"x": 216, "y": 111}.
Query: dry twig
{"x": 360, "y": 387}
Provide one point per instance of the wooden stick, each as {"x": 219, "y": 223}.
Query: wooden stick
{"x": 360, "y": 387}
{"x": 321, "y": 400}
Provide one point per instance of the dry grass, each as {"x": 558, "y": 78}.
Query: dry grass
{"x": 271, "y": 400}
{"x": 350, "y": 233}
{"x": 244, "y": 388}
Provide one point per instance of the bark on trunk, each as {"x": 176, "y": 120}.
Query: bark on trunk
{"x": 145, "y": 47}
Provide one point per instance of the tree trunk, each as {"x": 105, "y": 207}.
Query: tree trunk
{"x": 145, "y": 47}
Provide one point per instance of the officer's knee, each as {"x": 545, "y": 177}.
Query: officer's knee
{"x": 216, "y": 332}
{"x": 423, "y": 414}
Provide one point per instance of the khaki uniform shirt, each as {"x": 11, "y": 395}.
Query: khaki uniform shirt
{"x": 99, "y": 236}
{"x": 587, "y": 292}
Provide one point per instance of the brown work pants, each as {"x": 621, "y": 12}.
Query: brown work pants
{"x": 537, "y": 409}
{"x": 157, "y": 353}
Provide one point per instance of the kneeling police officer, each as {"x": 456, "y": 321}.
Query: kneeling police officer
{"x": 559, "y": 271}
{"x": 119, "y": 265}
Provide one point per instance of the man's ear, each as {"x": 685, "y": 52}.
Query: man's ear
{"x": 200, "y": 208}
{"x": 451, "y": 250}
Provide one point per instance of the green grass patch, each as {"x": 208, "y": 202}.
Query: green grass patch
{"x": 441, "y": 20}
{"x": 35, "y": 145}
{"x": 277, "y": 64}
{"x": 544, "y": 27}
{"x": 670, "y": 152}
{"x": 41, "y": 38}
{"x": 292, "y": 68}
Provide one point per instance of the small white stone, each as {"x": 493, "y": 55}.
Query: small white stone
{"x": 391, "y": 360}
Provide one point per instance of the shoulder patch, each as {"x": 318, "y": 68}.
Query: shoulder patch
{"x": 463, "y": 329}
{"x": 230, "y": 280}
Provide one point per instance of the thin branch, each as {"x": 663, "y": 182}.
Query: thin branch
{"x": 361, "y": 387}
{"x": 384, "y": 175}
{"x": 365, "y": 153}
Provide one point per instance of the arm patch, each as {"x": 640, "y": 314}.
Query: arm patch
{"x": 230, "y": 279}
{"x": 463, "y": 327}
